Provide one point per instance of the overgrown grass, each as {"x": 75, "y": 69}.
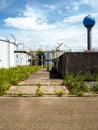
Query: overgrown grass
{"x": 95, "y": 88}
{"x": 76, "y": 84}
{"x": 13, "y": 76}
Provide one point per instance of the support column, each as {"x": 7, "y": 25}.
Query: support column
{"x": 89, "y": 39}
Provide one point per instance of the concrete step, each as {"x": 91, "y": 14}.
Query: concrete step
{"x": 48, "y": 82}
{"x": 32, "y": 90}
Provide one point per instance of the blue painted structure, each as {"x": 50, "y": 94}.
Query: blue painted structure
{"x": 89, "y": 22}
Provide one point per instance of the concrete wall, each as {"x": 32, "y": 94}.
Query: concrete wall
{"x": 77, "y": 63}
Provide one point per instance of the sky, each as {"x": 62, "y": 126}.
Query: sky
{"x": 45, "y": 24}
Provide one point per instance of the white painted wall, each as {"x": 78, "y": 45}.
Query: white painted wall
{"x": 22, "y": 58}
{"x": 7, "y": 57}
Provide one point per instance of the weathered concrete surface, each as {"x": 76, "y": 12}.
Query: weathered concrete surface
{"x": 31, "y": 90}
{"x": 77, "y": 63}
{"x": 49, "y": 83}
{"x": 22, "y": 89}
{"x": 42, "y": 77}
{"x": 49, "y": 113}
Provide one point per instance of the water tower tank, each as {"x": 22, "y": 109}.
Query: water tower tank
{"x": 89, "y": 21}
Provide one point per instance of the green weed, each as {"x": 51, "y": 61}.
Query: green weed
{"x": 59, "y": 94}
{"x": 14, "y": 75}
{"x": 20, "y": 94}
{"x": 80, "y": 94}
{"x": 75, "y": 84}
{"x": 95, "y": 88}
{"x": 38, "y": 91}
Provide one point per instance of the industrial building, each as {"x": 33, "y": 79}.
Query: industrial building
{"x": 11, "y": 55}
{"x": 22, "y": 57}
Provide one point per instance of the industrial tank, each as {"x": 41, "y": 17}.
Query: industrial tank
{"x": 7, "y": 56}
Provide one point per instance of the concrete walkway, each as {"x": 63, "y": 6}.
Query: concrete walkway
{"x": 42, "y": 82}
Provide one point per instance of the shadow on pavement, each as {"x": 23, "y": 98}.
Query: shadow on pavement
{"x": 54, "y": 74}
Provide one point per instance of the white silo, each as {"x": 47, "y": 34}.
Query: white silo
{"x": 7, "y": 57}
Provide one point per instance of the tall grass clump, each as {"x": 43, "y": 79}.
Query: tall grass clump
{"x": 14, "y": 75}
{"x": 95, "y": 88}
{"x": 90, "y": 77}
{"x": 75, "y": 84}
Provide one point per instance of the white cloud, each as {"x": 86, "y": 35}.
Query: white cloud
{"x": 72, "y": 6}
{"x": 33, "y": 39}
{"x": 36, "y": 13}
{"x": 92, "y": 3}
{"x": 74, "y": 19}
{"x": 31, "y": 19}
{"x": 26, "y": 23}
{"x": 89, "y": 2}
{"x": 74, "y": 37}
{"x": 41, "y": 33}
{"x": 76, "y": 6}
{"x": 86, "y": 1}
{"x": 77, "y": 18}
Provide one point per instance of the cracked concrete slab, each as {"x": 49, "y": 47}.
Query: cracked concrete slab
{"x": 43, "y": 80}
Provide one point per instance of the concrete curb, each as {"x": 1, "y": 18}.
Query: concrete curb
{"x": 48, "y": 95}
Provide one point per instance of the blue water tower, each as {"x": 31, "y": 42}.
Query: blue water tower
{"x": 89, "y": 22}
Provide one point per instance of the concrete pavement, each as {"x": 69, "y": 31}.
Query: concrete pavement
{"x": 42, "y": 81}
{"x": 46, "y": 113}
{"x": 49, "y": 113}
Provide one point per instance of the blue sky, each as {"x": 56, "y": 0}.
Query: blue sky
{"x": 47, "y": 23}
